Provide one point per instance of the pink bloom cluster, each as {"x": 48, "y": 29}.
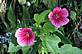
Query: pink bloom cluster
{"x": 25, "y": 36}
{"x": 58, "y": 17}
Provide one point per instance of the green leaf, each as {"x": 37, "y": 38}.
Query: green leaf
{"x": 39, "y": 18}
{"x": 62, "y": 37}
{"x": 25, "y": 12}
{"x": 13, "y": 48}
{"x": 22, "y": 1}
{"x": 11, "y": 17}
{"x": 36, "y": 16}
{"x": 33, "y": 1}
{"x": 25, "y": 49}
{"x": 80, "y": 34}
{"x": 48, "y": 27}
{"x": 68, "y": 49}
{"x": 42, "y": 50}
{"x": 73, "y": 15}
{"x": 35, "y": 47}
{"x": 50, "y": 3}
{"x": 52, "y": 43}
{"x": 25, "y": 17}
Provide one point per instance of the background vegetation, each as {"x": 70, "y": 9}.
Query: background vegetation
{"x": 34, "y": 13}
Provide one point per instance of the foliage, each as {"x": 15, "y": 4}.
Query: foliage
{"x": 68, "y": 49}
{"x": 34, "y": 14}
{"x": 13, "y": 48}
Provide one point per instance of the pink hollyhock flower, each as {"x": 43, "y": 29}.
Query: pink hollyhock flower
{"x": 58, "y": 17}
{"x": 25, "y": 36}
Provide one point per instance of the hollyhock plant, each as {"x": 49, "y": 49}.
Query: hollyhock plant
{"x": 25, "y": 36}
{"x": 58, "y": 17}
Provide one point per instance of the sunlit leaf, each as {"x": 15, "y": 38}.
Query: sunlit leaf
{"x": 48, "y": 27}
{"x": 25, "y": 49}
{"x": 13, "y": 48}
{"x": 52, "y": 43}
{"x": 68, "y": 49}
{"x": 0, "y": 1}
{"x": 22, "y": 1}
{"x": 39, "y": 18}
{"x": 73, "y": 15}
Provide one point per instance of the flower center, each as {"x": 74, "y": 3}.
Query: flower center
{"x": 56, "y": 16}
{"x": 27, "y": 34}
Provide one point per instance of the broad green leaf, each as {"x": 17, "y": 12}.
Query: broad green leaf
{"x": 39, "y": 18}
{"x": 73, "y": 15}
{"x": 25, "y": 50}
{"x": 68, "y": 49}
{"x": 13, "y": 48}
{"x": 48, "y": 27}
{"x": 52, "y": 43}
{"x": 22, "y": 1}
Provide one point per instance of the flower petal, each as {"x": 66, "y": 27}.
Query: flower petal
{"x": 23, "y": 41}
{"x": 64, "y": 12}
{"x": 18, "y": 32}
{"x": 51, "y": 15}
{"x": 64, "y": 21}
{"x": 58, "y": 17}
{"x": 56, "y": 23}
{"x": 56, "y": 10}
